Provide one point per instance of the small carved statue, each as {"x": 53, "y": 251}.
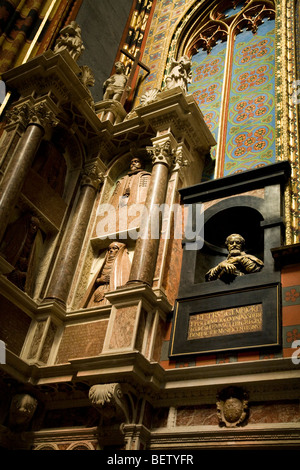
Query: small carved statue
{"x": 113, "y": 273}
{"x": 19, "y": 248}
{"x": 237, "y": 263}
{"x": 127, "y": 199}
{"x": 115, "y": 85}
{"x": 87, "y": 78}
{"x": 70, "y": 40}
{"x": 22, "y": 409}
{"x": 180, "y": 74}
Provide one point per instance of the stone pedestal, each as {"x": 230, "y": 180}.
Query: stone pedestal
{"x": 146, "y": 249}
{"x": 135, "y": 320}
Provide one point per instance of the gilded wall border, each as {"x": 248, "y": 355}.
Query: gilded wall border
{"x": 287, "y": 116}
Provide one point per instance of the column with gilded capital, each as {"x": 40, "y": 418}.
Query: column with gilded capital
{"x": 64, "y": 270}
{"x": 37, "y": 117}
{"x": 145, "y": 254}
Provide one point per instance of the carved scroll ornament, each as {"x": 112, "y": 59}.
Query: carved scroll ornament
{"x": 109, "y": 400}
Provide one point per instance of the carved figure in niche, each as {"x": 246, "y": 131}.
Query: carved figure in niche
{"x": 237, "y": 263}
{"x": 113, "y": 273}
{"x": 22, "y": 409}
{"x": 130, "y": 193}
{"x": 70, "y": 40}
{"x": 180, "y": 74}
{"x": 50, "y": 164}
{"x": 133, "y": 187}
{"x": 21, "y": 247}
{"x": 115, "y": 85}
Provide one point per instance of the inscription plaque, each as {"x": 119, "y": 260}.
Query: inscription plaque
{"x": 226, "y": 322}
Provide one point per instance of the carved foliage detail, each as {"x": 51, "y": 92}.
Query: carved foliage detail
{"x": 91, "y": 176}
{"x": 110, "y": 402}
{"x": 26, "y": 113}
{"x": 162, "y": 153}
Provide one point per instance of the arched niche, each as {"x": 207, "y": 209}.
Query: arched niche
{"x": 106, "y": 219}
{"x": 242, "y": 215}
{"x": 119, "y": 166}
{"x": 117, "y": 172}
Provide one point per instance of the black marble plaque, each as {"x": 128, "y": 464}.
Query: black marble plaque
{"x": 225, "y": 322}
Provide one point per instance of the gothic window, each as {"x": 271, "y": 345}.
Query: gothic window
{"x": 232, "y": 46}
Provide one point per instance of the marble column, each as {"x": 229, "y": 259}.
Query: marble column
{"x": 64, "y": 270}
{"x": 37, "y": 116}
{"x": 146, "y": 249}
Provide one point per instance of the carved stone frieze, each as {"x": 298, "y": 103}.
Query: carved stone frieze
{"x": 232, "y": 407}
{"x": 110, "y": 401}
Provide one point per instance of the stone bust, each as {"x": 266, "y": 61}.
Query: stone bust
{"x": 238, "y": 263}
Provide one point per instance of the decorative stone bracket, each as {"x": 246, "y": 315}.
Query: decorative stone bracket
{"x": 111, "y": 403}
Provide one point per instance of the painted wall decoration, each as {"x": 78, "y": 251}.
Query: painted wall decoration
{"x": 207, "y": 85}
{"x": 250, "y": 136}
{"x": 245, "y": 128}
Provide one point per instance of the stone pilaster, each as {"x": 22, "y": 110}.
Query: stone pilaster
{"x": 64, "y": 270}
{"x": 36, "y": 117}
{"x": 145, "y": 255}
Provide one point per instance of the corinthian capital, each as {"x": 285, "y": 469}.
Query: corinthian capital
{"x": 41, "y": 114}
{"x": 92, "y": 176}
{"x": 31, "y": 113}
{"x": 162, "y": 153}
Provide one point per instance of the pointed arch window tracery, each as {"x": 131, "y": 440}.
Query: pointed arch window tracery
{"x": 232, "y": 47}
